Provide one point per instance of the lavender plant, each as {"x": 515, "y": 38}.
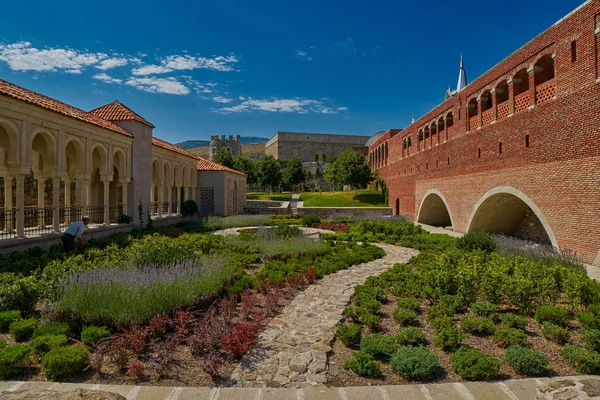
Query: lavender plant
{"x": 512, "y": 246}
{"x": 236, "y": 221}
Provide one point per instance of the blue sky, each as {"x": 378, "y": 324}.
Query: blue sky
{"x": 197, "y": 68}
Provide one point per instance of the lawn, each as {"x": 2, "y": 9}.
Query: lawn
{"x": 272, "y": 197}
{"x": 365, "y": 198}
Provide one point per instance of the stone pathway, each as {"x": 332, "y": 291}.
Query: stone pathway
{"x": 294, "y": 203}
{"x": 292, "y": 350}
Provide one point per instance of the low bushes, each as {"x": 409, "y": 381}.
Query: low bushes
{"x": 477, "y": 241}
{"x": 379, "y": 346}
{"x": 14, "y": 360}
{"x": 411, "y": 337}
{"x": 505, "y": 337}
{"x": 62, "y": 362}
{"x": 584, "y": 361}
{"x": 7, "y": 318}
{"x": 404, "y": 316}
{"x": 45, "y": 343}
{"x": 474, "y": 365}
{"x": 91, "y": 335}
{"x": 51, "y": 329}
{"x": 511, "y": 320}
{"x": 477, "y": 325}
{"x": 526, "y": 361}
{"x": 310, "y": 219}
{"x": 484, "y": 309}
{"x": 553, "y": 314}
{"x": 22, "y": 329}
{"x": 555, "y": 333}
{"x": 448, "y": 338}
{"x": 591, "y": 337}
{"x": 350, "y": 335}
{"x": 416, "y": 363}
{"x": 409, "y": 303}
{"x": 363, "y": 365}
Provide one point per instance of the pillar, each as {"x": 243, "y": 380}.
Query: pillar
{"x": 531, "y": 72}
{"x": 178, "y": 198}
{"x": 20, "y": 220}
{"x": 85, "y": 196}
{"x": 479, "y": 112}
{"x": 494, "y": 105}
{"x": 161, "y": 199}
{"x": 41, "y": 183}
{"x": 8, "y": 204}
{"x": 106, "y": 202}
{"x": 511, "y": 96}
{"x": 56, "y": 204}
{"x": 67, "y": 202}
{"x": 170, "y": 199}
{"x": 124, "y": 188}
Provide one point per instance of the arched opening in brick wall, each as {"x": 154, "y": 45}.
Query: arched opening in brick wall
{"x": 544, "y": 69}
{"x": 472, "y": 114}
{"x": 511, "y": 213}
{"x": 434, "y": 211}
{"x": 521, "y": 82}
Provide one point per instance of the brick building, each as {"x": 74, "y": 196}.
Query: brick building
{"x": 516, "y": 151}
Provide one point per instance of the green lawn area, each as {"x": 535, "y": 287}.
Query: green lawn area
{"x": 365, "y": 198}
{"x": 263, "y": 196}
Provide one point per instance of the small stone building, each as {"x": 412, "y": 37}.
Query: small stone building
{"x": 230, "y": 143}
{"x": 311, "y": 146}
{"x": 221, "y": 190}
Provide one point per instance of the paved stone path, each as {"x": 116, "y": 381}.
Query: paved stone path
{"x": 571, "y": 388}
{"x": 294, "y": 203}
{"x": 292, "y": 350}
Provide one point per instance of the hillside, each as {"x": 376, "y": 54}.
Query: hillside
{"x": 193, "y": 144}
{"x": 253, "y": 150}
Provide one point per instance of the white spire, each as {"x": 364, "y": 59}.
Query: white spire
{"x": 462, "y": 76}
{"x": 412, "y": 121}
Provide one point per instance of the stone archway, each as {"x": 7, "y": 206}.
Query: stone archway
{"x": 508, "y": 211}
{"x": 434, "y": 210}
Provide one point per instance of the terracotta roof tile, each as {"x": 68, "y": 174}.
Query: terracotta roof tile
{"x": 116, "y": 111}
{"x": 206, "y": 165}
{"x": 168, "y": 146}
{"x": 28, "y": 96}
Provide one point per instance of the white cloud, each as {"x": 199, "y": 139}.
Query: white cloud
{"x": 342, "y": 108}
{"x": 221, "y": 99}
{"x": 21, "y": 56}
{"x": 112, "y": 63}
{"x": 303, "y": 55}
{"x": 159, "y": 85}
{"x": 300, "y": 106}
{"x": 107, "y": 79}
{"x": 187, "y": 63}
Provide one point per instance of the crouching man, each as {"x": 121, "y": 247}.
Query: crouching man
{"x": 74, "y": 231}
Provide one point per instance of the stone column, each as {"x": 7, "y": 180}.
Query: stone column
{"x": 178, "y": 198}
{"x": 193, "y": 193}
{"x": 531, "y": 72}
{"x": 106, "y": 202}
{"x": 85, "y": 196}
{"x": 494, "y": 105}
{"x": 41, "y": 183}
{"x": 479, "y": 111}
{"x": 511, "y": 96}
{"x": 67, "y": 202}
{"x": 161, "y": 199}
{"x": 124, "y": 188}
{"x": 56, "y": 204}
{"x": 8, "y": 204}
{"x": 20, "y": 220}
{"x": 170, "y": 199}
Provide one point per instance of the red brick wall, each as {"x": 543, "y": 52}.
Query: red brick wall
{"x": 559, "y": 172}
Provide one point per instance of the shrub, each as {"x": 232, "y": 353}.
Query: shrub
{"x": 91, "y": 335}
{"x": 416, "y": 363}
{"x": 477, "y": 241}
{"x": 505, "y": 337}
{"x": 409, "y": 303}
{"x": 350, "y": 335}
{"x": 239, "y": 340}
{"x": 124, "y": 219}
{"x": 437, "y": 311}
{"x": 404, "y": 316}
{"x": 363, "y": 365}
{"x": 591, "y": 337}
{"x": 511, "y": 320}
{"x": 448, "y": 338}
{"x": 45, "y": 343}
{"x": 189, "y": 207}
{"x": 7, "y": 318}
{"x": 411, "y": 337}
{"x": 14, "y": 360}
{"x": 588, "y": 319}
{"x": 378, "y": 346}
{"x": 22, "y": 329}
{"x": 371, "y": 306}
{"x": 452, "y": 304}
{"x": 475, "y": 365}
{"x": 477, "y": 325}
{"x": 62, "y": 362}
{"x": 556, "y": 315}
{"x": 371, "y": 320}
{"x": 584, "y": 361}
{"x": 2, "y": 344}
{"x": 310, "y": 219}
{"x": 555, "y": 333}
{"x": 484, "y": 309}
{"x": 51, "y": 329}
{"x": 443, "y": 322}
{"x": 526, "y": 361}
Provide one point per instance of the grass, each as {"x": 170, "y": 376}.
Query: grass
{"x": 365, "y": 198}
{"x": 273, "y": 197}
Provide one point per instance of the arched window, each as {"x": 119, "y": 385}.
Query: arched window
{"x": 545, "y": 86}
{"x": 487, "y": 114}
{"x": 502, "y": 104}
{"x": 473, "y": 114}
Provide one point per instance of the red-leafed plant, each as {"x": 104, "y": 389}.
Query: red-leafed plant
{"x": 135, "y": 340}
{"x": 159, "y": 326}
{"x": 136, "y": 370}
{"x": 247, "y": 304}
{"x": 227, "y": 307}
{"x": 211, "y": 363}
{"x": 240, "y": 339}
{"x": 271, "y": 299}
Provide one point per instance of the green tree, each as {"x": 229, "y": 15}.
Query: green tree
{"x": 350, "y": 169}
{"x": 224, "y": 157}
{"x": 246, "y": 165}
{"x": 294, "y": 173}
{"x": 269, "y": 172}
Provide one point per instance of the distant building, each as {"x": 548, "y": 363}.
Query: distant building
{"x": 311, "y": 146}
{"x": 230, "y": 143}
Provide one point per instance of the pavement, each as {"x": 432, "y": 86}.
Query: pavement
{"x": 516, "y": 389}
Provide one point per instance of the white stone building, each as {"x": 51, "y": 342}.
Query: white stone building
{"x": 58, "y": 162}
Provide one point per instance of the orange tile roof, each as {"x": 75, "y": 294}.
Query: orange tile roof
{"x": 116, "y": 111}
{"x": 28, "y": 96}
{"x": 168, "y": 146}
{"x": 206, "y": 165}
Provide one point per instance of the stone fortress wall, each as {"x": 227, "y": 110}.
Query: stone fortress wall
{"x": 232, "y": 143}
{"x": 285, "y": 145}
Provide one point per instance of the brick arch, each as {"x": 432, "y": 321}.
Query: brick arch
{"x": 507, "y": 196}
{"x": 431, "y": 211}
{"x": 539, "y": 56}
{"x": 523, "y": 66}
{"x": 503, "y": 78}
